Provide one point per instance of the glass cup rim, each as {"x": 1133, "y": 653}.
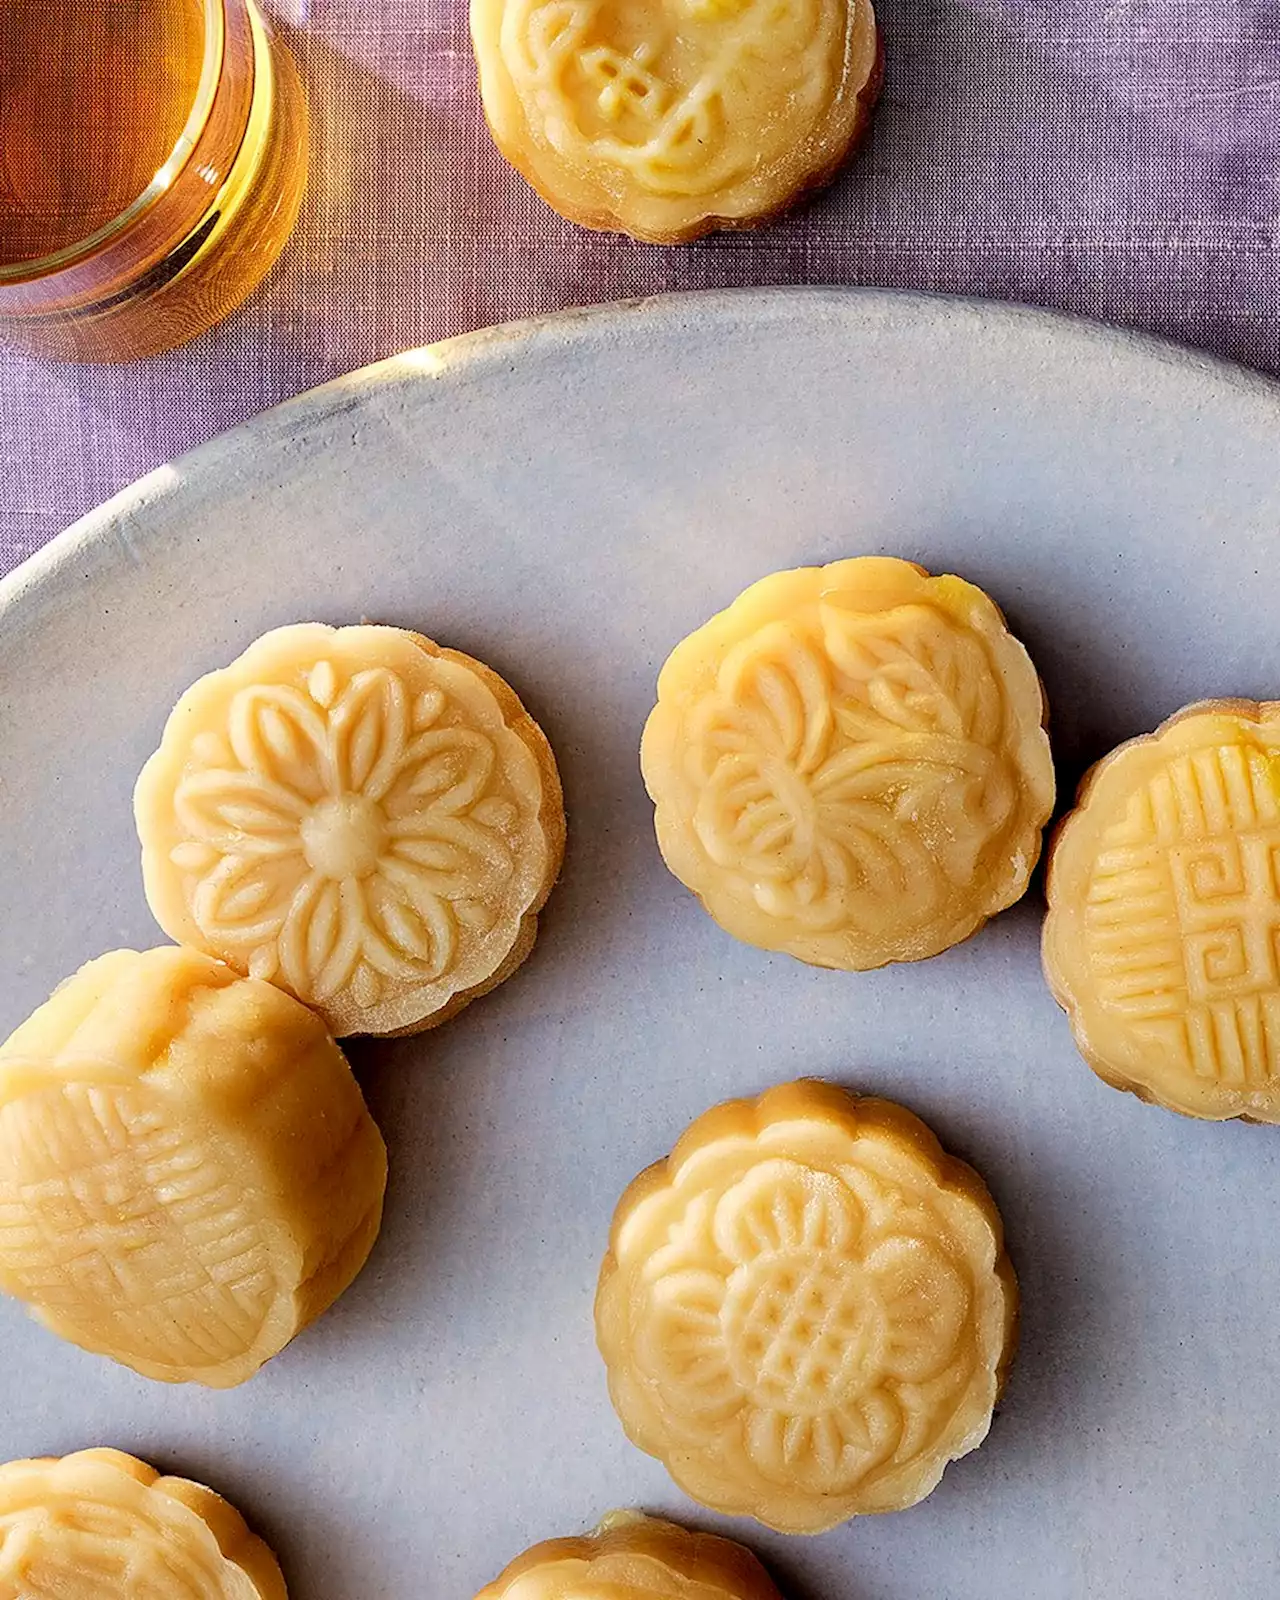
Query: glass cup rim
{"x": 215, "y": 29}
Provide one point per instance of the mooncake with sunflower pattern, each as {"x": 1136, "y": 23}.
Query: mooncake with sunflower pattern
{"x": 850, "y": 764}
{"x": 359, "y": 815}
{"x": 634, "y": 1557}
{"x": 806, "y": 1311}
{"x": 102, "y": 1525}
{"x": 188, "y": 1173}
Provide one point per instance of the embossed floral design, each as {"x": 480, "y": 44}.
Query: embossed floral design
{"x": 101, "y": 1523}
{"x": 852, "y": 785}
{"x": 634, "y": 1557}
{"x": 817, "y": 761}
{"x": 802, "y": 1339}
{"x": 674, "y": 120}
{"x": 344, "y": 839}
{"x": 809, "y": 1325}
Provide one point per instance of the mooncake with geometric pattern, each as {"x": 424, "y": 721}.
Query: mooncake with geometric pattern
{"x": 188, "y": 1173}
{"x": 1162, "y": 941}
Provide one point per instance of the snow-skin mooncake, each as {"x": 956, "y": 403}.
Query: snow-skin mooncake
{"x": 850, "y": 764}
{"x": 101, "y": 1525}
{"x": 806, "y": 1311}
{"x": 1162, "y": 941}
{"x": 669, "y": 118}
{"x": 367, "y": 819}
{"x": 188, "y": 1173}
{"x": 633, "y": 1557}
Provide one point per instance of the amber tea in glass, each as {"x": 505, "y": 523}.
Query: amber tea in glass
{"x": 152, "y": 161}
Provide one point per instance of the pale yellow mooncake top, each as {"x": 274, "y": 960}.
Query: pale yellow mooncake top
{"x": 806, "y": 1311}
{"x": 358, "y": 815}
{"x": 1163, "y": 935}
{"x": 665, "y": 118}
{"x": 188, "y": 1173}
{"x": 850, "y": 763}
{"x": 101, "y": 1525}
{"x": 633, "y": 1557}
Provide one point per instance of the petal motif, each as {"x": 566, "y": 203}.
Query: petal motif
{"x": 410, "y": 932}
{"x": 444, "y": 772}
{"x": 820, "y": 895}
{"x": 368, "y": 732}
{"x": 910, "y": 669}
{"x": 679, "y": 1344}
{"x": 781, "y": 1205}
{"x": 870, "y": 1431}
{"x": 245, "y": 898}
{"x": 456, "y": 856}
{"x": 884, "y": 862}
{"x": 829, "y": 1453}
{"x": 239, "y": 811}
{"x": 904, "y": 665}
{"x": 278, "y": 734}
{"x": 755, "y": 816}
{"x": 681, "y": 1241}
{"x": 322, "y": 935}
{"x": 926, "y": 1304}
{"x": 782, "y": 687}
{"x": 717, "y": 728}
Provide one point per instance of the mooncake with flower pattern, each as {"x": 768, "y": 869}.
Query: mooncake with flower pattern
{"x": 806, "y": 1311}
{"x": 102, "y": 1525}
{"x": 188, "y": 1173}
{"x": 850, "y": 764}
{"x": 634, "y": 1557}
{"x": 367, "y": 819}
{"x": 665, "y": 119}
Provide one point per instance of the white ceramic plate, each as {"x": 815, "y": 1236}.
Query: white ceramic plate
{"x": 566, "y": 500}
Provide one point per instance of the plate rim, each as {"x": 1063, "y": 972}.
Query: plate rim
{"x": 463, "y": 357}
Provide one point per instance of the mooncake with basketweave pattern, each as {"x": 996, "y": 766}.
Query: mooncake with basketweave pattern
{"x": 188, "y": 1173}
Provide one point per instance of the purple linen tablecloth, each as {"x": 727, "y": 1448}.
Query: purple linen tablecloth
{"x": 1115, "y": 158}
